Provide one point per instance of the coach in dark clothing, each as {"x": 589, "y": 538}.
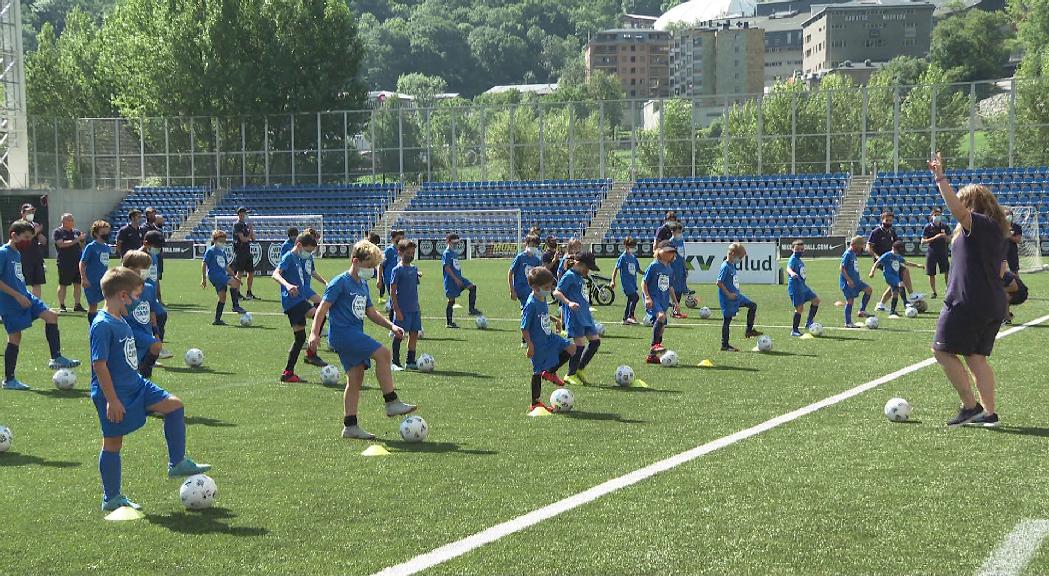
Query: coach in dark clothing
{"x": 33, "y": 252}
{"x": 130, "y": 236}
{"x": 243, "y": 236}
{"x": 1016, "y": 236}
{"x": 879, "y": 242}
{"x": 155, "y": 223}
{"x": 664, "y": 232}
{"x": 935, "y": 237}
{"x": 69, "y": 243}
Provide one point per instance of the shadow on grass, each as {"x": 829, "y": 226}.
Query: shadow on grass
{"x": 638, "y": 390}
{"x": 1035, "y": 431}
{"x": 721, "y": 368}
{"x": 208, "y": 521}
{"x": 56, "y": 393}
{"x": 782, "y": 353}
{"x": 210, "y": 422}
{"x": 256, "y": 327}
{"x": 842, "y": 338}
{"x": 602, "y": 417}
{"x": 185, "y": 307}
{"x": 17, "y": 459}
{"x": 435, "y": 448}
{"x": 455, "y": 373}
{"x": 432, "y": 339}
{"x": 188, "y": 370}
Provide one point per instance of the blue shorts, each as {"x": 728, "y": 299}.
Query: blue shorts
{"x": 801, "y": 297}
{"x": 413, "y": 321}
{"x": 135, "y": 404}
{"x": 546, "y": 357}
{"x": 522, "y": 297}
{"x": 307, "y": 292}
{"x": 579, "y": 324}
{"x": 729, "y": 308}
{"x": 21, "y": 319}
{"x": 453, "y": 291}
{"x": 220, "y": 284}
{"x": 355, "y": 351}
{"x": 851, "y": 293}
{"x": 94, "y": 294}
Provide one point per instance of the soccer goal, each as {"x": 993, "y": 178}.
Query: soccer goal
{"x": 272, "y": 228}
{"x": 485, "y": 233}
{"x": 1030, "y": 247}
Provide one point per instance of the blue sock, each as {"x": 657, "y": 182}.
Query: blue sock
{"x": 175, "y": 434}
{"x": 109, "y": 469}
{"x": 848, "y": 312}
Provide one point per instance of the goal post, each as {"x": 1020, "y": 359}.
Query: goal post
{"x": 274, "y": 227}
{"x": 484, "y": 233}
{"x": 1030, "y": 248}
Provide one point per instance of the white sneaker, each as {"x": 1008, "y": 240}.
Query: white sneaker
{"x": 880, "y": 307}
{"x": 165, "y": 354}
{"x": 396, "y": 368}
{"x": 357, "y": 432}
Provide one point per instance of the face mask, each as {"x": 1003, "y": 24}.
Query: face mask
{"x": 130, "y": 304}
{"x": 103, "y": 237}
{"x": 23, "y": 244}
{"x": 154, "y": 251}
{"x": 29, "y": 217}
{"x": 533, "y": 250}
{"x": 937, "y": 219}
{"x": 144, "y": 274}
{"x": 365, "y": 272}
{"x": 886, "y": 225}
{"x": 799, "y": 252}
{"x": 544, "y": 294}
{"x": 737, "y": 261}
{"x": 220, "y": 245}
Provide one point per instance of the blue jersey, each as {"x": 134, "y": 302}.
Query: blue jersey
{"x": 852, "y": 267}
{"x": 406, "y": 278}
{"x": 350, "y": 301}
{"x": 216, "y": 261}
{"x": 450, "y": 258}
{"x": 287, "y": 246}
{"x": 562, "y": 267}
{"x": 139, "y": 319}
{"x": 308, "y": 267}
{"x": 154, "y": 271}
{"x": 729, "y": 276}
{"x": 628, "y": 267}
{"x": 11, "y": 274}
{"x": 113, "y": 342}
{"x": 151, "y": 286}
{"x": 389, "y": 262}
{"x": 535, "y": 318}
{"x": 796, "y": 283}
{"x": 890, "y": 264}
{"x": 571, "y": 285}
{"x": 291, "y": 269}
{"x": 96, "y": 261}
{"x": 520, "y": 267}
{"x": 657, "y": 279}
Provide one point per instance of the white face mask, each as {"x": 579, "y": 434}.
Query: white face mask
{"x": 544, "y": 294}
{"x": 362, "y": 272}
{"x": 144, "y": 274}
{"x": 29, "y": 217}
{"x": 533, "y": 250}
{"x": 220, "y": 245}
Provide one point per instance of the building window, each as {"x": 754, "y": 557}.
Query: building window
{"x": 633, "y": 81}
{"x": 910, "y": 42}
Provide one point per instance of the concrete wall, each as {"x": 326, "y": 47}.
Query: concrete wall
{"x": 86, "y": 206}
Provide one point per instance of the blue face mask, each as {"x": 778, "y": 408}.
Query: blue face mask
{"x": 544, "y": 294}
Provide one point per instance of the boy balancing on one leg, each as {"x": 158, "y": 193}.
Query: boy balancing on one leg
{"x": 798, "y": 289}
{"x": 576, "y": 311}
{"x": 546, "y": 348}
{"x": 731, "y": 299}
{"x": 94, "y": 261}
{"x": 891, "y": 263}
{"x": 659, "y": 294}
{"x": 850, "y": 283}
{"x": 216, "y": 268}
{"x": 122, "y": 396}
{"x": 19, "y": 307}
{"x": 454, "y": 282}
{"x": 295, "y": 301}
{"x": 141, "y": 315}
{"x": 404, "y": 295}
{"x": 348, "y": 301}
{"x": 629, "y": 266}
{"x": 309, "y": 273}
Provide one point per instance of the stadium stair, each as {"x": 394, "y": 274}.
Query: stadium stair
{"x": 199, "y": 214}
{"x": 401, "y": 203}
{"x": 607, "y": 212}
{"x": 852, "y": 207}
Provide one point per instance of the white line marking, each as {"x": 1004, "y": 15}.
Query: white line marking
{"x": 460, "y": 547}
{"x": 1017, "y": 550}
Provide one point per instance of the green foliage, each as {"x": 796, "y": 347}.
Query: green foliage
{"x": 972, "y": 45}
{"x": 422, "y": 87}
{"x": 1032, "y": 98}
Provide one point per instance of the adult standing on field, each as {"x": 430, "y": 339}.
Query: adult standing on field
{"x": 69, "y": 243}
{"x": 975, "y": 303}
{"x": 879, "y": 242}
{"x": 1016, "y": 237}
{"x": 157, "y": 225}
{"x": 33, "y": 251}
{"x": 935, "y": 236}
{"x": 243, "y": 236}
{"x": 129, "y": 237}
{"x": 666, "y": 231}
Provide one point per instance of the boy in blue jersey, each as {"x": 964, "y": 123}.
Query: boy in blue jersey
{"x": 680, "y": 278}
{"x": 850, "y": 283}
{"x": 891, "y": 263}
{"x": 294, "y": 300}
{"x": 347, "y": 299}
{"x": 454, "y": 281}
{"x": 545, "y": 347}
{"x": 404, "y": 297}
{"x": 94, "y": 261}
{"x": 798, "y": 289}
{"x": 572, "y": 247}
{"x": 141, "y": 314}
{"x": 289, "y": 244}
{"x": 657, "y": 287}
{"x": 216, "y": 268}
{"x": 627, "y": 266}
{"x": 122, "y": 397}
{"x": 309, "y": 273}
{"x": 153, "y": 244}
{"x": 389, "y": 261}
{"x": 575, "y": 309}
{"x": 523, "y": 263}
{"x": 731, "y": 299}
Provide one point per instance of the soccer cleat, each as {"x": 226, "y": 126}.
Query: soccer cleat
{"x": 411, "y": 366}
{"x": 399, "y": 408}
{"x": 476, "y": 312}
{"x": 652, "y": 359}
{"x": 165, "y": 354}
{"x": 239, "y": 310}
{"x": 851, "y": 325}
{"x": 552, "y": 377}
{"x": 119, "y": 502}
{"x": 729, "y": 348}
{"x": 581, "y": 375}
{"x": 396, "y": 367}
{"x": 679, "y": 315}
{"x": 63, "y": 309}
{"x": 14, "y": 384}
{"x": 630, "y": 322}
{"x": 658, "y": 349}
{"x": 357, "y": 433}
{"x": 187, "y": 468}
{"x": 894, "y": 315}
{"x": 79, "y": 308}
{"x": 752, "y": 333}
{"x": 862, "y": 314}
{"x": 573, "y": 379}
{"x": 987, "y": 421}
{"x": 60, "y": 361}
{"x": 251, "y": 296}
{"x": 219, "y": 322}
{"x": 451, "y": 325}
{"x": 880, "y": 307}
{"x": 966, "y": 415}
{"x": 291, "y": 378}
{"x": 315, "y": 360}
{"x": 795, "y": 333}
{"x": 934, "y": 295}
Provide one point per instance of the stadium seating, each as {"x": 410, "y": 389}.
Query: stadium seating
{"x": 349, "y": 210}
{"x": 174, "y": 202}
{"x": 744, "y": 208}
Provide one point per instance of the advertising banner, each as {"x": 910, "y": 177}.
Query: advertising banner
{"x": 761, "y": 266}
{"x": 815, "y": 247}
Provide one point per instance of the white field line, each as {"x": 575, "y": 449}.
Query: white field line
{"x": 499, "y": 531}
{"x": 1017, "y": 550}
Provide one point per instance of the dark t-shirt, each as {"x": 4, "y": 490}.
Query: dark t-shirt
{"x": 130, "y": 238}
{"x": 974, "y": 285}
{"x": 238, "y": 246}
{"x": 71, "y": 254}
{"x": 881, "y": 239}
{"x": 150, "y": 227}
{"x": 663, "y": 233}
{"x": 33, "y": 255}
{"x": 937, "y": 247}
{"x": 1012, "y": 255}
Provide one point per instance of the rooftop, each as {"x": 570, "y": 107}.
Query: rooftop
{"x": 540, "y": 89}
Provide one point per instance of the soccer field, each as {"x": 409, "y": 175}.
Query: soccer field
{"x": 840, "y": 490}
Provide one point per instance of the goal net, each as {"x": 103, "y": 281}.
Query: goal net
{"x": 1030, "y": 248}
{"x": 272, "y": 228}
{"x": 484, "y": 233}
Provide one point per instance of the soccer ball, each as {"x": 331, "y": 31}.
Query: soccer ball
{"x": 194, "y": 358}
{"x": 911, "y": 312}
{"x": 426, "y": 363}
{"x": 624, "y": 375}
{"x": 562, "y": 400}
{"x": 816, "y": 329}
{"x": 691, "y": 301}
{"x": 6, "y": 437}
{"x": 330, "y": 375}
{"x": 764, "y": 343}
{"x": 599, "y": 328}
{"x": 64, "y": 379}
{"x": 872, "y": 322}
{"x": 198, "y": 492}
{"x": 414, "y": 429}
{"x": 422, "y": 334}
{"x": 898, "y": 410}
{"x": 482, "y": 323}
{"x": 921, "y": 306}
{"x": 669, "y": 359}
{"x": 704, "y": 313}
{"x": 647, "y": 320}
{"x": 245, "y": 319}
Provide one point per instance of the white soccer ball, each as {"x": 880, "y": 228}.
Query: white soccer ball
{"x": 624, "y": 375}
{"x": 414, "y": 429}
{"x": 64, "y": 379}
{"x": 691, "y": 301}
{"x": 647, "y": 320}
{"x": 872, "y": 322}
{"x": 816, "y": 329}
{"x": 599, "y": 328}
{"x": 6, "y": 437}
{"x": 245, "y": 319}
{"x": 198, "y": 492}
{"x": 426, "y": 363}
{"x": 330, "y": 375}
{"x": 194, "y": 358}
{"x": 482, "y": 323}
{"x": 898, "y": 410}
{"x": 669, "y": 359}
{"x": 921, "y": 305}
{"x": 704, "y": 313}
{"x": 764, "y": 343}
{"x": 911, "y": 312}
{"x": 562, "y": 400}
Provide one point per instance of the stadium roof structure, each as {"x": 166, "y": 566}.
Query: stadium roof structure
{"x": 705, "y": 10}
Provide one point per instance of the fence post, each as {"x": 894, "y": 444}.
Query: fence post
{"x": 725, "y": 136}
{"x": 58, "y": 163}
{"x": 33, "y": 142}
{"x": 243, "y": 154}
{"x": 374, "y": 159}
{"x": 266, "y": 146}
{"x": 571, "y": 141}
{"x": 863, "y": 134}
{"x": 400, "y": 143}
{"x": 896, "y": 129}
{"x": 454, "y": 151}
{"x": 601, "y": 136}
{"x": 761, "y": 132}
{"x": 692, "y": 134}
{"x": 141, "y": 149}
{"x": 429, "y": 144}
{"x": 542, "y": 144}
{"x": 320, "y": 155}
{"x": 633, "y": 140}
{"x": 218, "y": 151}
{"x": 1012, "y": 126}
{"x": 662, "y": 135}
{"x": 932, "y": 120}
{"x": 830, "y": 121}
{"x": 345, "y": 148}
{"x": 484, "y": 143}
{"x": 116, "y": 139}
{"x": 192, "y": 154}
{"x": 794, "y": 133}
{"x": 292, "y": 152}
{"x": 510, "y": 131}
{"x": 972, "y": 125}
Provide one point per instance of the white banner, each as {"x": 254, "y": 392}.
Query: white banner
{"x": 761, "y": 266}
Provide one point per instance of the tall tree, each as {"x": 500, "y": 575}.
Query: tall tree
{"x": 972, "y": 45}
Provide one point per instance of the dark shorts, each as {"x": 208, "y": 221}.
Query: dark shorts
{"x": 34, "y": 273}
{"x": 959, "y": 332}
{"x": 160, "y": 267}
{"x": 934, "y": 261}
{"x": 243, "y": 263}
{"x": 68, "y": 273}
{"x": 297, "y": 313}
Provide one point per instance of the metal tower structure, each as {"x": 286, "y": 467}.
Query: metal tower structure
{"x": 14, "y": 137}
